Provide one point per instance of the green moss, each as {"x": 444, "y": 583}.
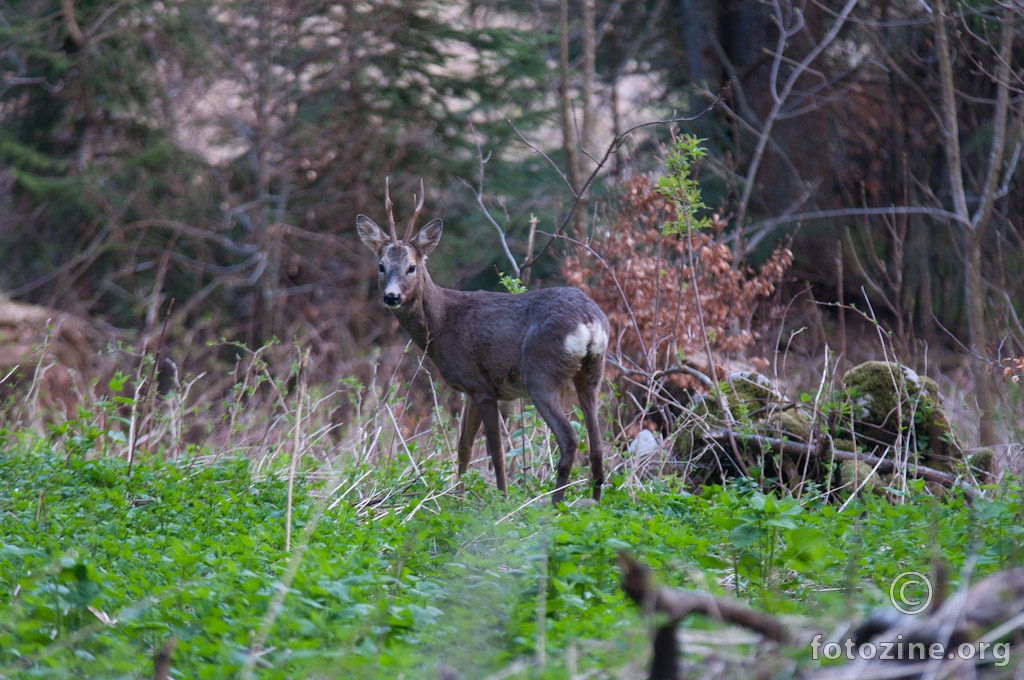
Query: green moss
{"x": 789, "y": 424}
{"x": 888, "y": 397}
{"x": 844, "y": 445}
{"x": 982, "y": 464}
{"x": 852, "y": 474}
{"x": 749, "y": 395}
{"x": 752, "y": 388}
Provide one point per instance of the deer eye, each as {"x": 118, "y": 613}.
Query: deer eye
{"x": 380, "y": 267}
{"x": 411, "y": 270}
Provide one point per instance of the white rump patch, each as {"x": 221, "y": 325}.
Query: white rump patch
{"x": 586, "y": 338}
{"x": 599, "y": 340}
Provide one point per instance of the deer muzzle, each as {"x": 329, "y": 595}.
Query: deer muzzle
{"x": 392, "y": 300}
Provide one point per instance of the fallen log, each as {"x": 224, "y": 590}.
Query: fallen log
{"x": 885, "y": 465}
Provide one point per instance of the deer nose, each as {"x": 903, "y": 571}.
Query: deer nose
{"x": 392, "y": 300}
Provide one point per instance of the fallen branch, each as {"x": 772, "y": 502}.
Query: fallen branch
{"x": 652, "y": 377}
{"x": 641, "y": 587}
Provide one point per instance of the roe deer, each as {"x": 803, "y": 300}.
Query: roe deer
{"x": 497, "y": 346}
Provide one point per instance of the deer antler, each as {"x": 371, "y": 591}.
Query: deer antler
{"x": 416, "y": 213}
{"x": 388, "y": 206}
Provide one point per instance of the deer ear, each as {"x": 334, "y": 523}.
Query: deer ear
{"x": 369, "y": 233}
{"x": 426, "y": 239}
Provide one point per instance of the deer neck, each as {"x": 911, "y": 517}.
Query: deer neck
{"x": 423, "y": 319}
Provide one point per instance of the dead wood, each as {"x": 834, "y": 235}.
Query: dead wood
{"x": 884, "y": 465}
{"x": 640, "y": 585}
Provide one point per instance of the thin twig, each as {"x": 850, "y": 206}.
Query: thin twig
{"x": 612, "y": 148}
{"x": 478, "y": 195}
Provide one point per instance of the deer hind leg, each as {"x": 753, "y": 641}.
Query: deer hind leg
{"x": 545, "y": 398}
{"x": 587, "y": 383}
{"x": 470, "y": 426}
{"x": 486, "y": 407}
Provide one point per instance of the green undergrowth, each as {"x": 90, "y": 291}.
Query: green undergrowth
{"x": 99, "y": 569}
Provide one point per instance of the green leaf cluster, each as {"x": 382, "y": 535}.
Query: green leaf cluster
{"x": 680, "y": 187}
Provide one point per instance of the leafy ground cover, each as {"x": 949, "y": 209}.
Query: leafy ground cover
{"x": 102, "y": 564}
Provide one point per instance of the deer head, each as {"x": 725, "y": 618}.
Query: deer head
{"x": 401, "y": 263}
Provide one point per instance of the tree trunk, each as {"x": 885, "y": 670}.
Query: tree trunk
{"x": 261, "y": 150}
{"x": 979, "y": 343}
{"x": 589, "y": 61}
{"x": 976, "y": 225}
{"x": 565, "y": 108}
{"x": 575, "y": 159}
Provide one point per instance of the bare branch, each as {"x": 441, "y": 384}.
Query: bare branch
{"x": 536, "y": 149}
{"x": 988, "y": 195}
{"x": 162, "y": 660}
{"x": 612, "y": 148}
{"x": 497, "y": 227}
{"x": 780, "y": 100}
{"x": 46, "y": 85}
{"x": 682, "y": 369}
{"x": 478, "y": 195}
{"x": 74, "y": 30}
{"x": 639, "y": 585}
{"x": 769, "y": 224}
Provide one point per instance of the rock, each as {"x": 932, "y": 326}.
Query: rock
{"x": 853, "y": 473}
{"x": 788, "y": 423}
{"x": 750, "y": 393}
{"x": 887, "y": 397}
{"x": 981, "y": 464}
{"x": 645, "y": 443}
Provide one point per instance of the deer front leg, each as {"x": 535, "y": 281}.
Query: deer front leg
{"x": 487, "y": 411}
{"x": 470, "y": 426}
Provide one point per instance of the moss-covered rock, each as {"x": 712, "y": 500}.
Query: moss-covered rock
{"x": 853, "y": 473}
{"x": 844, "y": 445}
{"x": 788, "y": 423}
{"x": 750, "y": 394}
{"x": 982, "y": 465}
{"x": 889, "y": 398}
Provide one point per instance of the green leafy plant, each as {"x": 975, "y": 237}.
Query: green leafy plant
{"x": 680, "y": 186}
{"x": 512, "y": 284}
